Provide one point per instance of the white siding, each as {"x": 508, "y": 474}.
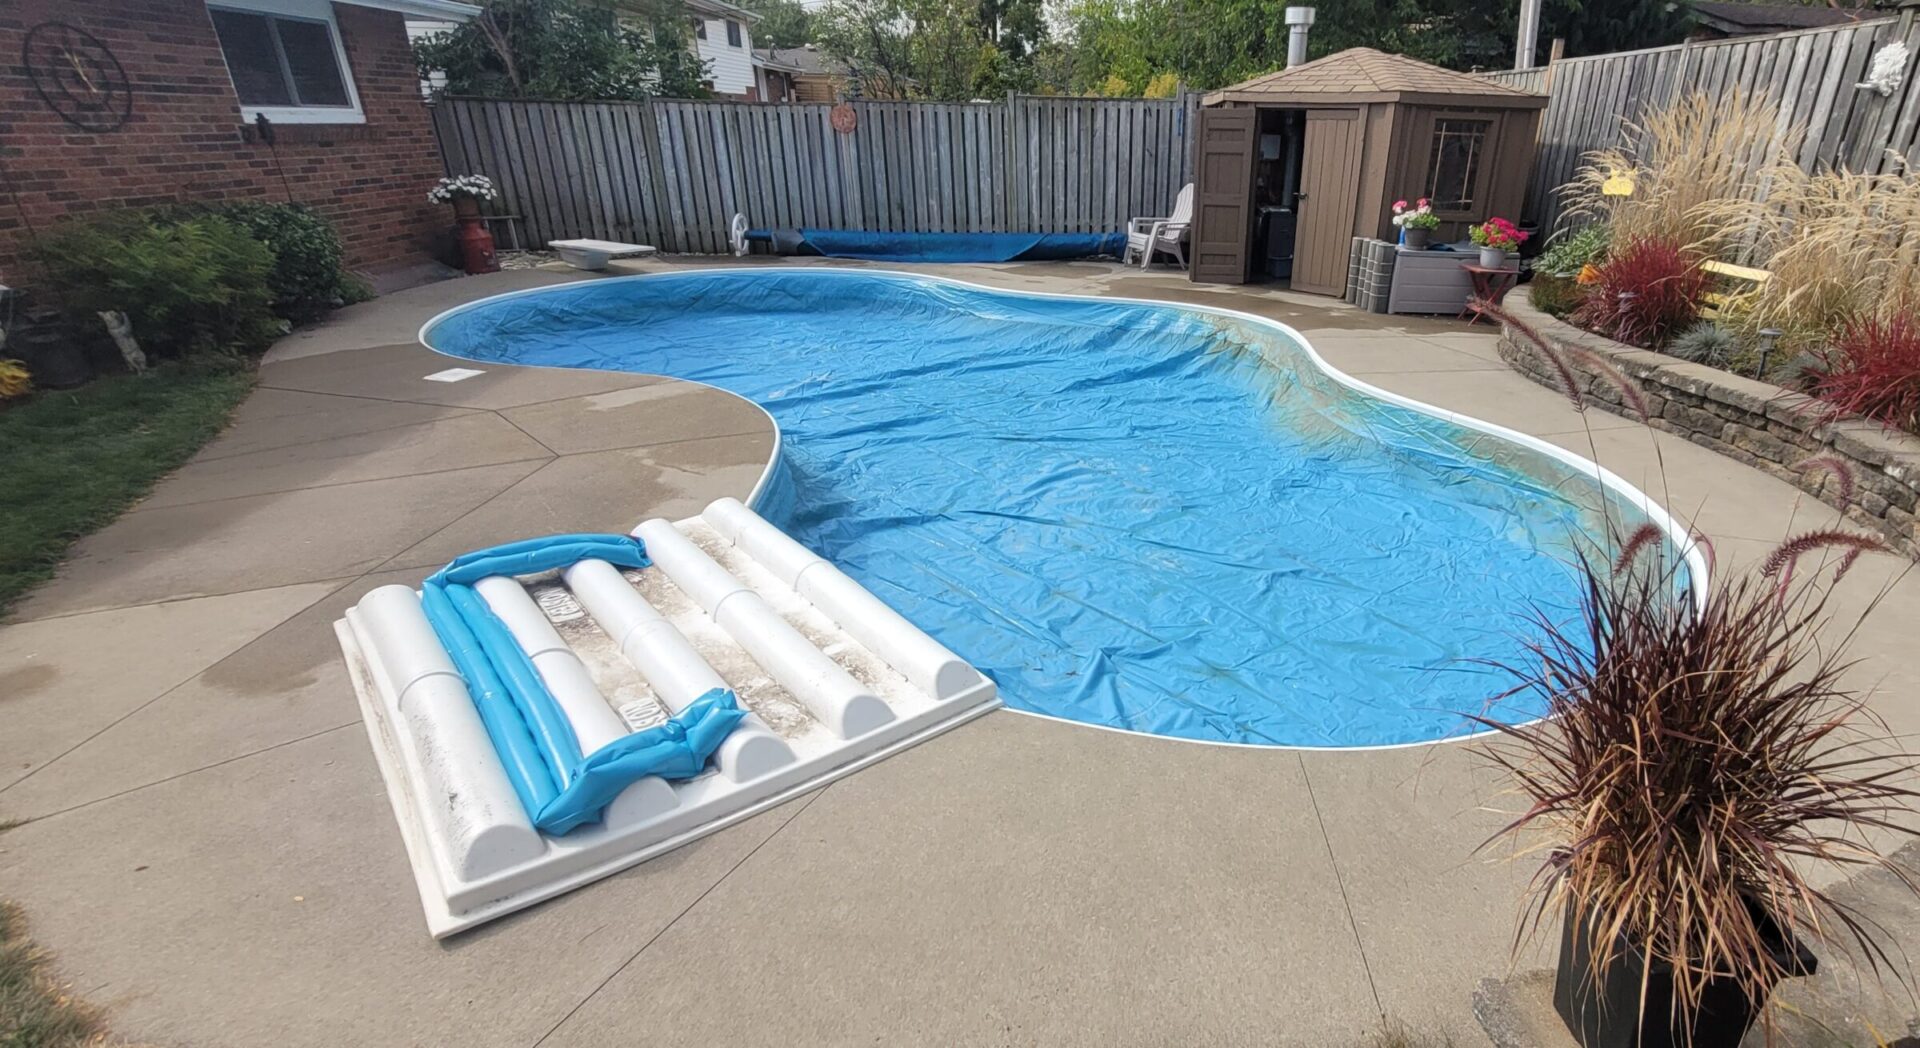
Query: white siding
{"x": 730, "y": 68}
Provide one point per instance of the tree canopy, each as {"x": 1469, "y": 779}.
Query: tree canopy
{"x": 568, "y": 50}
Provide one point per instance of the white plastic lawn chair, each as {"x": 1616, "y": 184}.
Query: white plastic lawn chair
{"x": 1147, "y": 236}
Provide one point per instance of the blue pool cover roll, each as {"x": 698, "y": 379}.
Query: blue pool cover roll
{"x": 944, "y": 247}
{"x": 560, "y": 788}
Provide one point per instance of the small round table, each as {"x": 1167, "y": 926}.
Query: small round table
{"x": 1490, "y": 284}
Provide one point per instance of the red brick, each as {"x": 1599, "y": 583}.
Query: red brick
{"x": 183, "y": 141}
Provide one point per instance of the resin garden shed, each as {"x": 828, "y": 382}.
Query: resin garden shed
{"x": 1291, "y": 166}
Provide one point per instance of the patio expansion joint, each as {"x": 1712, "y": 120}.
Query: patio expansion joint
{"x": 117, "y": 721}
{"x": 1353, "y": 925}
{"x": 543, "y": 460}
{"x": 664, "y": 929}
{"x": 221, "y": 763}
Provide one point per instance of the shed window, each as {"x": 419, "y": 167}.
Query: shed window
{"x": 1453, "y": 168}
{"x": 733, "y": 33}
{"x": 287, "y": 63}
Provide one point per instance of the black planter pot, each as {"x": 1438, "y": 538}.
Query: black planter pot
{"x": 1603, "y": 1009}
{"x": 53, "y": 359}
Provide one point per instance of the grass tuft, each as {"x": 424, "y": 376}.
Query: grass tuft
{"x": 76, "y": 459}
{"x": 36, "y": 1011}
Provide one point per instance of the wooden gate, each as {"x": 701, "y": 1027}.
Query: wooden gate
{"x": 1223, "y": 195}
{"x": 1329, "y": 193}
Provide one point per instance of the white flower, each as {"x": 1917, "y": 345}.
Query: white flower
{"x": 447, "y": 190}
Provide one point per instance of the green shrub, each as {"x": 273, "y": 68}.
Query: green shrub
{"x": 306, "y": 277}
{"x": 1553, "y": 294}
{"x": 190, "y": 284}
{"x": 1572, "y": 250}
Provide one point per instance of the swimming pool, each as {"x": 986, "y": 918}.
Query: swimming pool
{"x": 1136, "y": 515}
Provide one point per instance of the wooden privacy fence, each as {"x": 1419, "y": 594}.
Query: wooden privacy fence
{"x": 673, "y": 173}
{"x": 1809, "y": 74}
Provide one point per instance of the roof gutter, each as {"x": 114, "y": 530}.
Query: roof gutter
{"x": 446, "y": 10}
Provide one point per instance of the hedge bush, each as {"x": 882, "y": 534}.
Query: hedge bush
{"x": 306, "y": 278}
{"x": 227, "y": 277}
{"x": 188, "y": 284}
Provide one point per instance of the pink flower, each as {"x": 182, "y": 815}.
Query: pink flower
{"x": 1423, "y": 202}
{"x": 1399, "y": 205}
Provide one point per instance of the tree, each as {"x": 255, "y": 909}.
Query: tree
{"x": 568, "y": 50}
{"x": 783, "y": 23}
{"x": 951, "y": 50}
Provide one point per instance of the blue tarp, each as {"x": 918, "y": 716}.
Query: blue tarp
{"x": 560, "y": 788}
{"x": 942, "y": 247}
{"x": 1136, "y": 515}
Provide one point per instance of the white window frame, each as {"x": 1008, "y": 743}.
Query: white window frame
{"x": 310, "y": 11}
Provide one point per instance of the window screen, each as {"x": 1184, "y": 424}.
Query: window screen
{"x": 280, "y": 61}
{"x": 1453, "y": 169}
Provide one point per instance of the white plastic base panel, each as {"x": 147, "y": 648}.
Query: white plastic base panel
{"x": 834, "y": 679}
{"x": 595, "y": 254}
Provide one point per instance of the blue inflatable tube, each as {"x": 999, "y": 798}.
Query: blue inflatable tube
{"x": 560, "y": 788}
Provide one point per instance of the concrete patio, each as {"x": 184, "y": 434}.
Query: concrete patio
{"x": 210, "y": 854}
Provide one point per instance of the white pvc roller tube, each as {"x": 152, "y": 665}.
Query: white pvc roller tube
{"x": 885, "y": 632}
{"x": 594, "y": 721}
{"x": 830, "y": 693}
{"x": 485, "y": 830}
{"x": 676, "y": 672}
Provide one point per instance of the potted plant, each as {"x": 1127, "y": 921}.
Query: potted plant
{"x": 1496, "y": 236}
{"x": 465, "y": 192}
{"x": 1699, "y": 754}
{"x": 1416, "y": 223}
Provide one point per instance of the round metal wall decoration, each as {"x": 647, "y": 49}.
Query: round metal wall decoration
{"x": 77, "y": 76}
{"x": 843, "y": 119}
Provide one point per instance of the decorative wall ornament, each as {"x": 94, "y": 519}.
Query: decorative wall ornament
{"x": 1887, "y": 71}
{"x": 77, "y": 76}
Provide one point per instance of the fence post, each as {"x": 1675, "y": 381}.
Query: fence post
{"x": 657, "y": 177}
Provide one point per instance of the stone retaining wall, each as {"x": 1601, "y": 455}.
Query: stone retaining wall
{"x": 1762, "y": 425}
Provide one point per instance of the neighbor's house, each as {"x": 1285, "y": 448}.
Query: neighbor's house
{"x": 1718, "y": 19}
{"x": 806, "y": 73}
{"x": 115, "y": 103}
{"x": 723, "y": 37}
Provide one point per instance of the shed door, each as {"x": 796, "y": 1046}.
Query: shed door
{"x": 1329, "y": 195}
{"x": 1223, "y": 195}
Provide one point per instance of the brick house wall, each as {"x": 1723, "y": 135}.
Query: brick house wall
{"x": 185, "y": 139}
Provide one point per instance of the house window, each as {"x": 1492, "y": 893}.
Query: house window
{"x": 700, "y": 28}
{"x": 286, "y": 61}
{"x": 1453, "y": 167}
{"x": 733, "y": 33}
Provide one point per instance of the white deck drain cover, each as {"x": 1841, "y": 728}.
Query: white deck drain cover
{"x": 834, "y": 678}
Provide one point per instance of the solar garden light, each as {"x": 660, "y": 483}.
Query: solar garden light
{"x": 1768, "y": 337}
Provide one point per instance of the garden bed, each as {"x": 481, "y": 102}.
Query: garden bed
{"x": 1753, "y": 422}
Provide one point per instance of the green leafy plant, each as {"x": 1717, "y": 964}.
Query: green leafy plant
{"x": 192, "y": 284}
{"x": 1572, "y": 250}
{"x": 572, "y": 50}
{"x": 1706, "y": 343}
{"x": 306, "y": 277}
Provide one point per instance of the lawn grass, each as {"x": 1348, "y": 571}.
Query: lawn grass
{"x": 77, "y": 459}
{"x": 36, "y": 1012}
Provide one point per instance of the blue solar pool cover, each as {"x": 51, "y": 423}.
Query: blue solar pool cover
{"x": 1128, "y": 514}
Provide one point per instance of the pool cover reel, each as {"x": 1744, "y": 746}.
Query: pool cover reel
{"x": 939, "y": 247}
{"x": 559, "y": 787}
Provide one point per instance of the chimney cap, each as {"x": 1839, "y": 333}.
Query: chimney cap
{"x": 1303, "y": 16}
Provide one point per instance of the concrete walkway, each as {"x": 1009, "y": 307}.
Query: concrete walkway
{"x": 211, "y": 856}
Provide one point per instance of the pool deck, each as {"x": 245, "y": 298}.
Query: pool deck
{"x": 210, "y": 855}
